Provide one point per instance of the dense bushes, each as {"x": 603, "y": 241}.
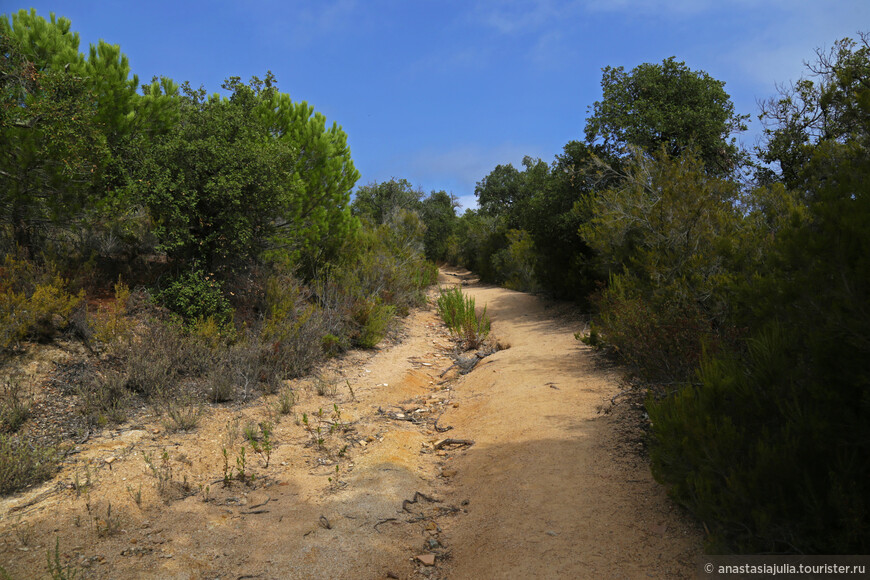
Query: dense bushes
{"x": 771, "y": 449}
{"x": 742, "y": 305}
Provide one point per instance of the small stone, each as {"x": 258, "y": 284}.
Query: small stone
{"x": 427, "y": 559}
{"x": 448, "y": 473}
{"x": 110, "y": 460}
{"x": 552, "y": 533}
{"x": 431, "y": 526}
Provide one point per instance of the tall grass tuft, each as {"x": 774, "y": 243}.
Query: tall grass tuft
{"x": 460, "y": 315}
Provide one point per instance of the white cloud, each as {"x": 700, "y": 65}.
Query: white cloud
{"x": 517, "y": 16}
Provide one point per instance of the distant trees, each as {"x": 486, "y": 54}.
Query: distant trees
{"x": 378, "y": 201}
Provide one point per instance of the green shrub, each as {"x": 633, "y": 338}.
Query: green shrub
{"x": 373, "y": 320}
{"x": 292, "y": 330}
{"x": 768, "y": 452}
{"x": 24, "y": 463}
{"x": 460, "y": 316}
{"x": 195, "y": 295}
{"x": 659, "y": 335}
{"x": 515, "y": 264}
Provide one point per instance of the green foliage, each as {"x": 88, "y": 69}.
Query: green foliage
{"x": 502, "y": 193}
{"x": 110, "y": 323}
{"x": 771, "y": 461}
{"x": 294, "y": 327}
{"x": 771, "y": 448}
{"x": 666, "y": 106}
{"x": 482, "y": 236}
{"x": 660, "y": 336}
{"x": 670, "y": 236}
{"x": 460, "y": 315}
{"x": 50, "y": 146}
{"x": 249, "y": 174}
{"x": 195, "y": 296}
{"x": 216, "y": 185}
{"x": 564, "y": 262}
{"x": 516, "y": 263}
{"x": 377, "y": 202}
{"x": 438, "y": 212}
{"x": 824, "y": 107}
{"x": 316, "y": 221}
{"x": 24, "y": 463}
{"x": 373, "y": 320}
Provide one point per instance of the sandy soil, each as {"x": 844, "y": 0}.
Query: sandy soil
{"x": 552, "y": 487}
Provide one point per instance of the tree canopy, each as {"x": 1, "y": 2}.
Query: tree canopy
{"x": 666, "y": 106}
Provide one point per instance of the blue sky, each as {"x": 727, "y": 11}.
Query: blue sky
{"x": 439, "y": 91}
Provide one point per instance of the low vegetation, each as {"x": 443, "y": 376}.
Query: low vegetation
{"x": 460, "y": 315}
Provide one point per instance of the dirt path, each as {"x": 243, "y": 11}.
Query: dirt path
{"x": 553, "y": 491}
{"x": 549, "y": 489}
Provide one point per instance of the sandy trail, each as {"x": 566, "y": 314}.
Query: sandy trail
{"x": 551, "y": 488}
{"x": 552, "y": 491}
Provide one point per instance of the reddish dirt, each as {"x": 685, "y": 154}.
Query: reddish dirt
{"x": 551, "y": 488}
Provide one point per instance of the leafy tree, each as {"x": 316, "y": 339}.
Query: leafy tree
{"x": 500, "y": 192}
{"x": 666, "y": 105}
{"x": 559, "y": 205}
{"x": 482, "y": 236}
{"x": 439, "y": 214}
{"x": 313, "y": 223}
{"x": 506, "y": 192}
{"x": 72, "y": 160}
{"x": 246, "y": 174}
{"x": 105, "y": 72}
{"x": 243, "y": 175}
{"x": 378, "y": 201}
{"x": 811, "y": 111}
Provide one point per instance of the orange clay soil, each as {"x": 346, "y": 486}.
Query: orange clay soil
{"x": 553, "y": 486}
